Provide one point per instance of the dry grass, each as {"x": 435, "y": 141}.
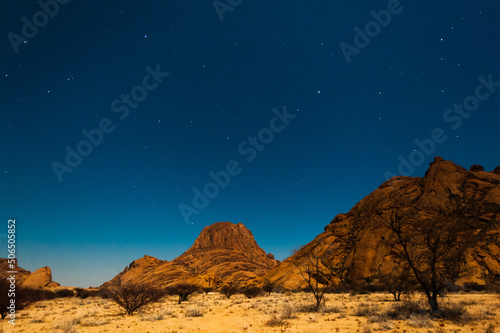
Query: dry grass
{"x": 289, "y": 312}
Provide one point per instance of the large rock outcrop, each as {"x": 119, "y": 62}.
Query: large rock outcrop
{"x": 41, "y": 278}
{"x": 359, "y": 240}
{"x": 223, "y": 253}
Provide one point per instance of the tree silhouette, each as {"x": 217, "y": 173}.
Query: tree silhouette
{"x": 133, "y": 296}
{"x": 183, "y": 290}
{"x": 318, "y": 274}
{"x": 434, "y": 244}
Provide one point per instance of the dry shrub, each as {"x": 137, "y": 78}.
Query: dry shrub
{"x": 366, "y": 329}
{"x": 183, "y": 290}
{"x": 92, "y": 322}
{"x": 405, "y": 310}
{"x": 288, "y": 312}
{"x": 64, "y": 293}
{"x": 134, "y": 296}
{"x": 252, "y": 292}
{"x": 229, "y": 290}
{"x": 331, "y": 309}
{"x": 456, "y": 312}
{"x": 194, "y": 312}
{"x": 416, "y": 320}
{"x": 366, "y": 310}
{"x": 68, "y": 326}
{"x": 382, "y": 320}
{"x": 277, "y": 321}
{"x": 24, "y": 297}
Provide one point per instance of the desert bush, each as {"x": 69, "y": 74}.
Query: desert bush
{"x": 93, "y": 322}
{"x": 277, "y": 321}
{"x": 493, "y": 287}
{"x": 418, "y": 320}
{"x": 455, "y": 312}
{"x": 405, "y": 310}
{"x": 367, "y": 329}
{"x": 68, "y": 326}
{"x": 194, "y": 312}
{"x": 47, "y": 294}
{"x": 306, "y": 308}
{"x": 23, "y": 296}
{"x": 85, "y": 293}
{"x": 64, "y": 293}
{"x": 268, "y": 286}
{"x": 331, "y": 309}
{"x": 366, "y": 310}
{"x": 251, "y": 292}
{"x": 133, "y": 296}
{"x": 206, "y": 290}
{"x": 156, "y": 316}
{"x": 288, "y": 312}
{"x": 474, "y": 286}
{"x": 183, "y": 290}
{"x": 229, "y": 290}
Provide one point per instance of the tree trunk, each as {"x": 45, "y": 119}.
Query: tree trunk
{"x": 433, "y": 302}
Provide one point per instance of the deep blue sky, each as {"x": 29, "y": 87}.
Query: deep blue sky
{"x": 352, "y": 120}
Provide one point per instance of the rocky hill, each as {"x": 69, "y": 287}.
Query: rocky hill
{"x": 41, "y": 278}
{"x": 359, "y": 240}
{"x": 224, "y": 252}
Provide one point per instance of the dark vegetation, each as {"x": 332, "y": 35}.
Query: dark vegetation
{"x": 134, "y": 296}
{"x": 183, "y": 290}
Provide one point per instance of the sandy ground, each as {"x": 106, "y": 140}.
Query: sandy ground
{"x": 215, "y": 313}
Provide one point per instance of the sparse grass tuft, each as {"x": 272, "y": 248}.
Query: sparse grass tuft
{"x": 404, "y": 310}
{"x": 366, "y": 310}
{"x": 277, "y": 321}
{"x": 288, "y": 312}
{"x": 92, "y": 322}
{"x": 68, "y": 326}
{"x": 420, "y": 321}
{"x": 194, "y": 312}
{"x": 456, "y": 312}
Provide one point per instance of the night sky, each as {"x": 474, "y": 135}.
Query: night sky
{"x": 114, "y": 114}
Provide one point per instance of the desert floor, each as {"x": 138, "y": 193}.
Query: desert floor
{"x": 215, "y": 313}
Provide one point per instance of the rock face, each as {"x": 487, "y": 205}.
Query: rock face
{"x": 41, "y": 278}
{"x": 359, "y": 239}
{"x": 223, "y": 253}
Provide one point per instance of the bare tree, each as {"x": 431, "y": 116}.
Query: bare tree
{"x": 434, "y": 244}
{"x": 400, "y": 281}
{"x": 133, "y": 296}
{"x": 183, "y": 290}
{"x": 319, "y": 274}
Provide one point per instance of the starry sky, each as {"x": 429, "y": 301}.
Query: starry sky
{"x": 126, "y": 127}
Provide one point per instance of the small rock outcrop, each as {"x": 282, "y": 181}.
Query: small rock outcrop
{"x": 476, "y": 167}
